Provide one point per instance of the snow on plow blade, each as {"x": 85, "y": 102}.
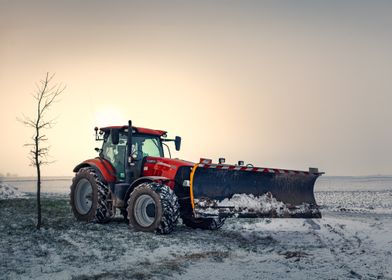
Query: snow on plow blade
{"x": 226, "y": 190}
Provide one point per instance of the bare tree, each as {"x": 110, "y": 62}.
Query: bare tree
{"x": 45, "y": 95}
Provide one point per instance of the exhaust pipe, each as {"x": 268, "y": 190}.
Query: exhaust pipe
{"x": 128, "y": 170}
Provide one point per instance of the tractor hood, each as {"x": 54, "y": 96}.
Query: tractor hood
{"x": 174, "y": 163}
{"x": 165, "y": 167}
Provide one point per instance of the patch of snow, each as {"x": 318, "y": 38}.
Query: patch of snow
{"x": 248, "y": 202}
{"x": 243, "y": 204}
{"x": 9, "y": 192}
{"x": 239, "y": 201}
{"x": 350, "y": 200}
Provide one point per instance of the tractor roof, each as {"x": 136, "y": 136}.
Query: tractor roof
{"x": 138, "y": 129}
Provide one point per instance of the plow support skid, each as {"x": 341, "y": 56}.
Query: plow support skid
{"x": 225, "y": 190}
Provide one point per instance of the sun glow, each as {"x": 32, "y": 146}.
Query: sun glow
{"x": 109, "y": 116}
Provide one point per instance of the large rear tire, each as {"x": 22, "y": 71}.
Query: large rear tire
{"x": 90, "y": 197}
{"x": 153, "y": 207}
{"x": 203, "y": 223}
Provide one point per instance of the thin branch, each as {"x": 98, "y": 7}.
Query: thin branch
{"x": 28, "y": 145}
{"x": 26, "y": 122}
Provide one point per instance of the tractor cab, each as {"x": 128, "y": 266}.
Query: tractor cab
{"x": 122, "y": 155}
{"x": 143, "y": 145}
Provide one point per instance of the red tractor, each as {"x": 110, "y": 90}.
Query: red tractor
{"x": 153, "y": 191}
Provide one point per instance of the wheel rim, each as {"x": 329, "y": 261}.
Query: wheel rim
{"x": 144, "y": 210}
{"x": 83, "y": 196}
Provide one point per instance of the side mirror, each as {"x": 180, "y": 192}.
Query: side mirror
{"x": 115, "y": 134}
{"x": 177, "y": 143}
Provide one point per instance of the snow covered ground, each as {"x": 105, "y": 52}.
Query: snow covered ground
{"x": 353, "y": 240}
{"x": 8, "y": 191}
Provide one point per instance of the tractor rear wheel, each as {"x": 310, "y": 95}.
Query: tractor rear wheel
{"x": 203, "y": 223}
{"x": 90, "y": 197}
{"x": 153, "y": 207}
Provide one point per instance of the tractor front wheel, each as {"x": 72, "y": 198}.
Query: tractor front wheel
{"x": 90, "y": 197}
{"x": 153, "y": 207}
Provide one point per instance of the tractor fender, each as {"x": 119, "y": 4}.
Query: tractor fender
{"x": 103, "y": 167}
{"x": 140, "y": 181}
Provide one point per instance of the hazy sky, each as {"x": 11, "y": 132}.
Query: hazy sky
{"x": 281, "y": 84}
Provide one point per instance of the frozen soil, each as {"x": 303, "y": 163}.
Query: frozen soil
{"x": 341, "y": 245}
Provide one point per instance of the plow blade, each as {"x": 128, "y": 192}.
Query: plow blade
{"x": 225, "y": 190}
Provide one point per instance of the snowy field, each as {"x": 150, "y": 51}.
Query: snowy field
{"x": 353, "y": 240}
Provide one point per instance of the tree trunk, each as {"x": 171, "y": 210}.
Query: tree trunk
{"x": 38, "y": 197}
{"x": 38, "y": 165}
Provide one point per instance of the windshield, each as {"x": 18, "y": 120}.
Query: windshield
{"x": 143, "y": 145}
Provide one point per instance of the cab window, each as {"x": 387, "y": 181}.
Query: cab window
{"x": 146, "y": 145}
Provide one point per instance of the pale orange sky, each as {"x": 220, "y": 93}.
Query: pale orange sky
{"x": 281, "y": 84}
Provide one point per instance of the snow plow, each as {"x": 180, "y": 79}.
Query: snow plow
{"x": 249, "y": 192}
{"x": 132, "y": 175}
